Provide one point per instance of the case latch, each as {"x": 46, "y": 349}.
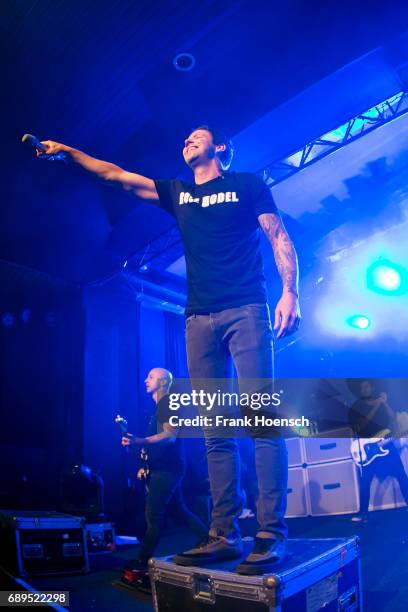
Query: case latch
{"x": 203, "y": 588}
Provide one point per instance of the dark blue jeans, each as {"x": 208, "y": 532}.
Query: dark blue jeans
{"x": 165, "y": 497}
{"x": 245, "y": 335}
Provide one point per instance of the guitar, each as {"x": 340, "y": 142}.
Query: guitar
{"x": 365, "y": 450}
{"x": 123, "y": 425}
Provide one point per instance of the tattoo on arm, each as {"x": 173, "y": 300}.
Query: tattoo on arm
{"x": 283, "y": 250}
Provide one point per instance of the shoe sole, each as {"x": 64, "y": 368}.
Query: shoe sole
{"x": 196, "y": 561}
{"x": 249, "y": 569}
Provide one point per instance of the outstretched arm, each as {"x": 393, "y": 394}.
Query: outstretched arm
{"x": 287, "y": 313}
{"x": 141, "y": 186}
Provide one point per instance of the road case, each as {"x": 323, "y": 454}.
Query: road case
{"x": 37, "y": 543}
{"x": 318, "y": 575}
{"x": 100, "y": 537}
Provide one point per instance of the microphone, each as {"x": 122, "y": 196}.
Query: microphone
{"x": 32, "y": 141}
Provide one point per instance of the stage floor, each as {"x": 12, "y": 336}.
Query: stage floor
{"x": 384, "y": 543}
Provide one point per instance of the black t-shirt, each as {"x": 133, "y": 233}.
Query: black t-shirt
{"x": 219, "y": 227}
{"x": 369, "y": 428}
{"x": 167, "y": 456}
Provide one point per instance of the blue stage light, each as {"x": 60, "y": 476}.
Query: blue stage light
{"x": 8, "y": 319}
{"x": 359, "y": 321}
{"x": 387, "y": 278}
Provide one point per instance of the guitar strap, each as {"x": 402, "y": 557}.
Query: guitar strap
{"x": 361, "y": 455}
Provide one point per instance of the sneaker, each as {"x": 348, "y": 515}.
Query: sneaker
{"x": 212, "y": 548}
{"x": 266, "y": 554}
{"x": 360, "y": 518}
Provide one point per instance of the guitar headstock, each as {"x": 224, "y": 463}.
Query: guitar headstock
{"x": 122, "y": 422}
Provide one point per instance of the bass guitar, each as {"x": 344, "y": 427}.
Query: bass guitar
{"x": 366, "y": 450}
{"x": 143, "y": 473}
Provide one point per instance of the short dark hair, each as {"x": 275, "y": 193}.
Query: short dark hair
{"x": 219, "y": 137}
{"x": 354, "y": 384}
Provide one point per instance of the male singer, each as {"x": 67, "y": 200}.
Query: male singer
{"x": 219, "y": 214}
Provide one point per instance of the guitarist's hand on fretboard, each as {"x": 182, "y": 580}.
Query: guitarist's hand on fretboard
{"x": 130, "y": 440}
{"x": 142, "y": 473}
{"x": 127, "y": 440}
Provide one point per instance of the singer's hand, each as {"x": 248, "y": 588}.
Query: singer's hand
{"x": 53, "y": 148}
{"x": 287, "y": 315}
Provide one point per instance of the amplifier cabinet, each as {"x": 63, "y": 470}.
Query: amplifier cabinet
{"x": 385, "y": 494}
{"x": 297, "y": 501}
{"x": 333, "y": 488}
{"x": 333, "y": 447}
{"x": 295, "y": 451}
{"x": 385, "y": 491}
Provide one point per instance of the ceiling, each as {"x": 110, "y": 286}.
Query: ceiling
{"x": 99, "y": 76}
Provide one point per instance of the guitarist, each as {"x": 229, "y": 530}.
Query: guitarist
{"x": 166, "y": 470}
{"x": 370, "y": 414}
